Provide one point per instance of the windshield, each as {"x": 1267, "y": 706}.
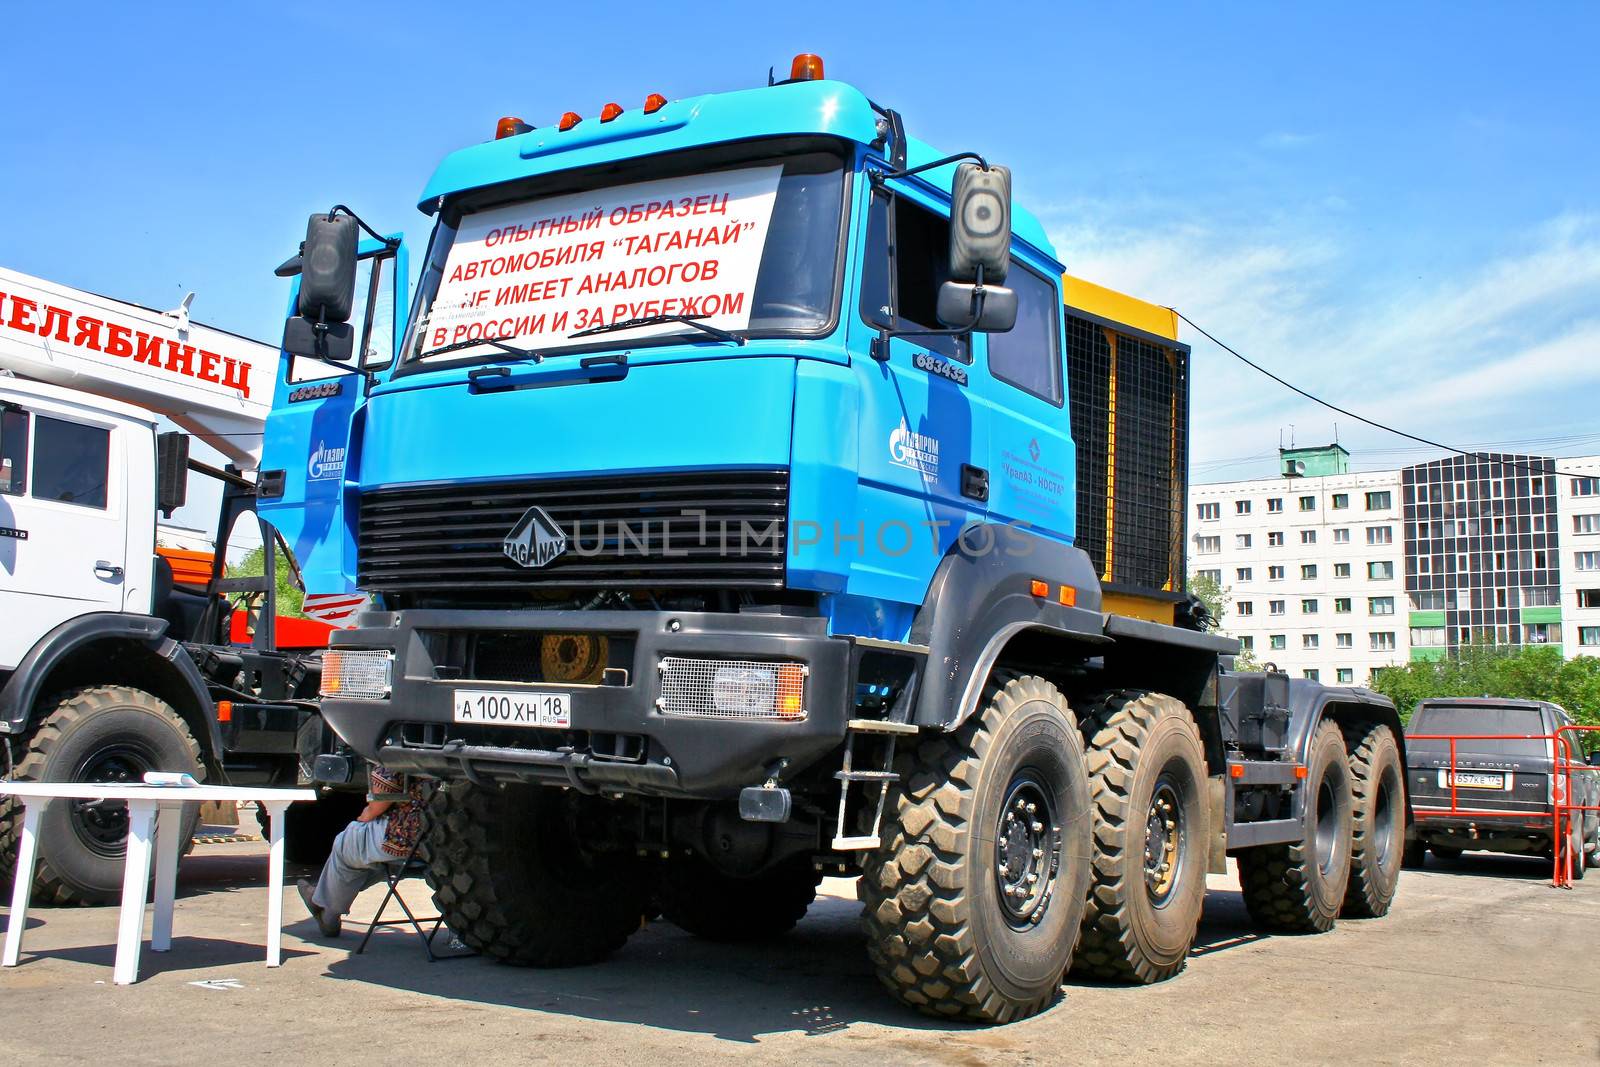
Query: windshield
{"x": 1478, "y": 720}
{"x": 742, "y": 242}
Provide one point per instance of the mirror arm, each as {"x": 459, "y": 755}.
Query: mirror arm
{"x": 878, "y": 177}
{"x": 388, "y": 242}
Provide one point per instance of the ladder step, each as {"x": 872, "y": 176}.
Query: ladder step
{"x": 852, "y": 844}
{"x": 880, "y": 726}
{"x": 867, "y": 776}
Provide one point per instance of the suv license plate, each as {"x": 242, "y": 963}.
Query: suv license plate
{"x": 1473, "y": 780}
{"x": 486, "y": 708}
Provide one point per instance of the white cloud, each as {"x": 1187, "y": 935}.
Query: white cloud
{"x": 1496, "y": 349}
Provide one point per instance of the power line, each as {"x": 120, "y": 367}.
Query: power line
{"x": 1362, "y": 418}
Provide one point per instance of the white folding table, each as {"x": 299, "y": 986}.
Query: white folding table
{"x": 144, "y": 802}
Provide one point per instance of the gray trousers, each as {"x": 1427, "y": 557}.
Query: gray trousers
{"x": 357, "y": 861}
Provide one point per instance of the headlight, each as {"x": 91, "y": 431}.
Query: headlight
{"x": 732, "y": 689}
{"x": 357, "y": 673}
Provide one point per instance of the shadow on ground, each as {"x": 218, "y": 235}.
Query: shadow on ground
{"x": 815, "y": 980}
{"x": 1492, "y": 865}
{"x": 186, "y": 954}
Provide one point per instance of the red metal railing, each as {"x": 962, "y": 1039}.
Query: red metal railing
{"x": 1562, "y": 809}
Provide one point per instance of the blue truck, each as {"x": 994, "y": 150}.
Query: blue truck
{"x": 751, "y": 498}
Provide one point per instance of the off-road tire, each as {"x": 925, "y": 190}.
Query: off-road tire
{"x": 1378, "y": 821}
{"x": 1139, "y": 742}
{"x": 81, "y": 725}
{"x": 703, "y": 901}
{"x": 938, "y": 935}
{"x": 309, "y": 829}
{"x": 1286, "y": 887}
{"x": 511, "y": 878}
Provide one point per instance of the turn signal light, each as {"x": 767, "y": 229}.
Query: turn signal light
{"x": 806, "y": 68}
{"x": 1040, "y": 588}
{"x": 653, "y": 103}
{"x": 510, "y": 126}
{"x": 1068, "y": 596}
{"x": 224, "y": 711}
{"x": 791, "y": 691}
{"x": 609, "y": 112}
{"x": 569, "y": 120}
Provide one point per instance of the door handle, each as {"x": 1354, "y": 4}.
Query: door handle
{"x": 975, "y": 483}
{"x": 102, "y": 569}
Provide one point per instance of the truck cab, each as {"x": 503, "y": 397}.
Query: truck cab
{"x": 752, "y": 498}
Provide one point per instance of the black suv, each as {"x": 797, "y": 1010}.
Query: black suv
{"x": 1494, "y": 775}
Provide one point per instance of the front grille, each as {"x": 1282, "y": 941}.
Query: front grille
{"x": 700, "y": 530}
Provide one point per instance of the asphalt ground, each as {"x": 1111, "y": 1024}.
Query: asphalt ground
{"x": 1481, "y": 961}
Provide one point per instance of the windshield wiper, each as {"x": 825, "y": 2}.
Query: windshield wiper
{"x": 657, "y": 320}
{"x": 494, "y": 342}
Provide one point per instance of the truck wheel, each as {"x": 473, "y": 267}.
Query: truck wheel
{"x": 702, "y": 900}
{"x": 1146, "y": 776}
{"x": 513, "y": 876}
{"x": 1378, "y": 802}
{"x": 108, "y": 733}
{"x": 1299, "y": 887}
{"x": 974, "y": 900}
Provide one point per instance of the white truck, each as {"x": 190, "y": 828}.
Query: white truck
{"x": 108, "y": 669}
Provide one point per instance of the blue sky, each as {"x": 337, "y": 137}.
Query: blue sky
{"x": 1395, "y": 205}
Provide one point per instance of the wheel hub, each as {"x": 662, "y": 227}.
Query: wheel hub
{"x": 1163, "y": 838}
{"x": 103, "y": 824}
{"x": 1027, "y": 852}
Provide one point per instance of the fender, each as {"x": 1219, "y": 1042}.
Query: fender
{"x": 1308, "y": 705}
{"x": 981, "y": 596}
{"x": 22, "y": 691}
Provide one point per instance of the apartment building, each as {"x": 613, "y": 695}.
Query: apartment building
{"x": 1578, "y": 514}
{"x": 1332, "y": 574}
{"x": 1314, "y": 564}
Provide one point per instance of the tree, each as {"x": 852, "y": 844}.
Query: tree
{"x": 290, "y": 595}
{"x": 1212, "y": 593}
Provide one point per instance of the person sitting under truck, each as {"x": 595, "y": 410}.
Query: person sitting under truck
{"x": 385, "y": 832}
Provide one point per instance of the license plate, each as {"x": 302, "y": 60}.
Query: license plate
{"x": 487, "y": 708}
{"x": 1474, "y": 780}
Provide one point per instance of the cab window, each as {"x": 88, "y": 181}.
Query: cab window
{"x": 1028, "y": 355}
{"x": 907, "y": 259}
{"x": 13, "y": 452}
{"x": 71, "y": 462}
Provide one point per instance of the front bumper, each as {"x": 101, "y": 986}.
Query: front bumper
{"x": 618, "y": 740}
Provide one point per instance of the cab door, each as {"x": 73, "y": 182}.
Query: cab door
{"x": 308, "y": 458}
{"x": 923, "y": 434}
{"x": 63, "y": 518}
{"x": 1032, "y": 461}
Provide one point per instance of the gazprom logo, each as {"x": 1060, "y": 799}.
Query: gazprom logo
{"x": 325, "y": 462}
{"x": 535, "y": 540}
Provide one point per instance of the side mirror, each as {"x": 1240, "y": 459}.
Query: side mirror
{"x": 172, "y": 471}
{"x": 980, "y": 224}
{"x": 328, "y": 268}
{"x": 334, "y": 341}
{"x": 980, "y": 308}
{"x": 1594, "y": 758}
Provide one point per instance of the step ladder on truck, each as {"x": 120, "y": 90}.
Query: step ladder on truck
{"x": 753, "y": 498}
{"x": 120, "y": 655}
